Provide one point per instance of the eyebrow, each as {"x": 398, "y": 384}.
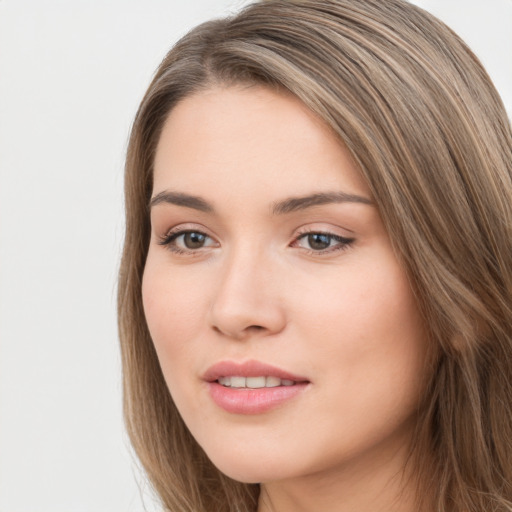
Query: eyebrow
{"x": 294, "y": 204}
{"x": 181, "y": 199}
{"x": 289, "y": 205}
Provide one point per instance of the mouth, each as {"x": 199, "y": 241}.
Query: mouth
{"x": 240, "y": 382}
{"x": 251, "y": 374}
{"x": 252, "y": 387}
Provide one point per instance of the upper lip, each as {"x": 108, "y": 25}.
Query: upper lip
{"x": 250, "y": 368}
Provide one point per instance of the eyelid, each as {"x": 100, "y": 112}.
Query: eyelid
{"x": 343, "y": 244}
{"x": 166, "y": 240}
{"x": 186, "y": 227}
{"x": 324, "y": 228}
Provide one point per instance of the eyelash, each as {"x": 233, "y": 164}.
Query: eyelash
{"x": 343, "y": 243}
{"x": 169, "y": 238}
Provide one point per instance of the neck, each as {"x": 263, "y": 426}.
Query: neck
{"x": 374, "y": 483}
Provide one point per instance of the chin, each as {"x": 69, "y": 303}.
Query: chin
{"x": 248, "y": 469}
{"x": 245, "y": 477}
{"x": 242, "y": 471}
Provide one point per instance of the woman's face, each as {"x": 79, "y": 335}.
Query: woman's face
{"x": 285, "y": 326}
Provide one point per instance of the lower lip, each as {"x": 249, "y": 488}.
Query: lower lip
{"x": 252, "y": 401}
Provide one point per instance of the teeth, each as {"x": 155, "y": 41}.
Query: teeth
{"x": 238, "y": 382}
{"x": 254, "y": 382}
{"x": 272, "y": 382}
{"x": 225, "y": 381}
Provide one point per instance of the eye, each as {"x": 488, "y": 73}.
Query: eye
{"x": 191, "y": 240}
{"x": 183, "y": 241}
{"x": 318, "y": 242}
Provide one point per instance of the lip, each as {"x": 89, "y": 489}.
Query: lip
{"x": 250, "y": 368}
{"x": 251, "y": 401}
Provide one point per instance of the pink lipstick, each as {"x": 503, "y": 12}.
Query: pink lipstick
{"x": 251, "y": 387}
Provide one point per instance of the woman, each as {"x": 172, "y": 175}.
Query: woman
{"x": 315, "y": 292}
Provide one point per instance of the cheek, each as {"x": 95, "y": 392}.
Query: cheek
{"x": 368, "y": 334}
{"x": 361, "y": 306}
{"x": 173, "y": 306}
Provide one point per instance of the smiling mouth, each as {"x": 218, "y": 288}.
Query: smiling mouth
{"x": 252, "y": 387}
{"x": 240, "y": 382}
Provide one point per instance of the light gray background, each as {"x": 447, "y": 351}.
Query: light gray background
{"x": 71, "y": 76}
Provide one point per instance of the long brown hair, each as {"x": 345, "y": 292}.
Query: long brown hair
{"x": 431, "y": 136}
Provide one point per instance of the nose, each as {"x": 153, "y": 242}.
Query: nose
{"x": 247, "y": 300}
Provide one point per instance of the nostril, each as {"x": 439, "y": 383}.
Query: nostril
{"x": 243, "y": 333}
{"x": 253, "y": 329}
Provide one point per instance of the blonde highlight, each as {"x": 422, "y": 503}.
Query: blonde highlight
{"x": 430, "y": 134}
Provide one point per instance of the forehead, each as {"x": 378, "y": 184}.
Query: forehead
{"x": 250, "y": 138}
